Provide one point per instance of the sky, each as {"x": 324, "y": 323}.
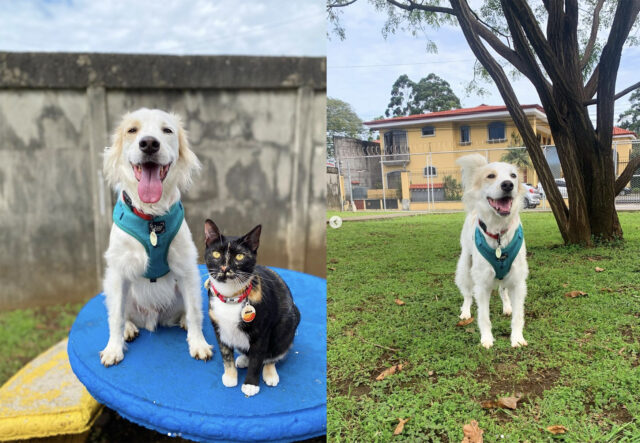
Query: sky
{"x": 362, "y": 68}
{"x": 227, "y": 27}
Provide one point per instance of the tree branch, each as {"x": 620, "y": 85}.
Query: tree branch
{"x": 595, "y": 25}
{"x": 617, "y": 96}
{"x": 412, "y": 6}
{"x": 626, "y": 175}
{"x": 592, "y": 85}
{"x": 340, "y": 5}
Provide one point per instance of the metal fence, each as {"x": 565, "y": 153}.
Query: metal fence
{"x": 393, "y": 178}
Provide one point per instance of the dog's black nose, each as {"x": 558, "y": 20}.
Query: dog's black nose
{"x": 149, "y": 145}
{"x": 506, "y": 186}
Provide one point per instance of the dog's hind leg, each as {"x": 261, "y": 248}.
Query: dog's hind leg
{"x": 465, "y": 284}
{"x": 482, "y": 295}
{"x": 518, "y": 293}
{"x": 506, "y": 300}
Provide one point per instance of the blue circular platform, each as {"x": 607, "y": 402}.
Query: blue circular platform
{"x": 158, "y": 385}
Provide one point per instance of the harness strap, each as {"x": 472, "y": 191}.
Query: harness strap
{"x": 501, "y": 265}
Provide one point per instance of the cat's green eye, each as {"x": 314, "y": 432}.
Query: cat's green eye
{"x": 215, "y": 254}
{"x": 239, "y": 257}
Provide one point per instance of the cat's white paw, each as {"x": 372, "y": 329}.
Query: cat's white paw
{"x": 270, "y": 375}
{"x": 111, "y": 355}
{"x": 229, "y": 380}
{"x": 200, "y": 349}
{"x": 242, "y": 361}
{"x": 250, "y": 390}
{"x": 130, "y": 331}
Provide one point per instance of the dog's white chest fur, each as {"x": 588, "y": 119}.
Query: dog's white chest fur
{"x": 227, "y": 317}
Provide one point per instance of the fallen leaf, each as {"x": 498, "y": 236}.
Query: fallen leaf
{"x": 599, "y": 269}
{"x": 591, "y": 259}
{"x": 333, "y": 260}
{"x": 390, "y": 371}
{"x": 331, "y": 268}
{"x": 398, "y": 430}
{"x": 565, "y": 285}
{"x": 399, "y": 302}
{"x": 574, "y": 294}
{"x": 430, "y": 373}
{"x": 465, "y": 322}
{"x": 557, "y": 429}
{"x": 502, "y": 403}
{"x": 472, "y": 433}
{"x": 606, "y": 289}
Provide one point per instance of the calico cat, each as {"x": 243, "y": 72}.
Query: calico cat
{"x": 250, "y": 306}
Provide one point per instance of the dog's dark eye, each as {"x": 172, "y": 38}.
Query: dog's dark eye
{"x": 513, "y": 175}
{"x": 132, "y": 130}
{"x": 491, "y": 176}
{"x": 167, "y": 130}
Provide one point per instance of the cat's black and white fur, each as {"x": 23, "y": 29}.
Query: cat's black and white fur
{"x": 231, "y": 262}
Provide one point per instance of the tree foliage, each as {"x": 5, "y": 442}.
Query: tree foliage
{"x": 342, "y": 120}
{"x": 570, "y": 52}
{"x": 430, "y": 94}
{"x": 630, "y": 119}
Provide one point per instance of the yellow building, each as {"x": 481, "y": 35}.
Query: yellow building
{"x": 422, "y": 149}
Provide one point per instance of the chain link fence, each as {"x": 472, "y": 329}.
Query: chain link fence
{"x": 392, "y": 178}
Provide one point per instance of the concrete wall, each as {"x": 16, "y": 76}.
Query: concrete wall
{"x": 333, "y": 188}
{"x": 256, "y": 123}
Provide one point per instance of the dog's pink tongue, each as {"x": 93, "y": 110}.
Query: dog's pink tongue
{"x": 150, "y": 185}
{"x": 504, "y": 205}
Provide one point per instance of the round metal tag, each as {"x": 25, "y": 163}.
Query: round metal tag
{"x": 248, "y": 313}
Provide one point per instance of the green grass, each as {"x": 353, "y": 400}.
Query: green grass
{"x": 347, "y": 214}
{"x": 28, "y": 332}
{"x": 580, "y": 370}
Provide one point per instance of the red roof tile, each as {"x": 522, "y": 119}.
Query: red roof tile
{"x": 464, "y": 111}
{"x": 621, "y": 131}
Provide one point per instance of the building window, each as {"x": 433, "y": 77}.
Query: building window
{"x": 430, "y": 171}
{"x": 428, "y": 131}
{"x": 465, "y": 135}
{"x": 497, "y": 132}
{"x": 395, "y": 142}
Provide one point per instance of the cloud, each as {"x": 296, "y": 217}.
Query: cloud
{"x": 268, "y": 27}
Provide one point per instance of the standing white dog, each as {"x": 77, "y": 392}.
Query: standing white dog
{"x": 152, "y": 273}
{"x": 493, "y": 249}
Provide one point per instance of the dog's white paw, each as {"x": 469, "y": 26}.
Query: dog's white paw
{"x": 250, "y": 390}
{"x": 486, "y": 342}
{"x": 465, "y": 315}
{"x": 200, "y": 349}
{"x": 270, "y": 375}
{"x": 229, "y": 380}
{"x": 517, "y": 341}
{"x": 506, "y": 310}
{"x": 111, "y": 355}
{"x": 130, "y": 331}
{"x": 242, "y": 361}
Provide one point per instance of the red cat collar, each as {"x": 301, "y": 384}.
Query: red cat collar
{"x": 238, "y": 299}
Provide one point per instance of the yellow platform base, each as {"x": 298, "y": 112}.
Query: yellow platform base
{"x": 45, "y": 398}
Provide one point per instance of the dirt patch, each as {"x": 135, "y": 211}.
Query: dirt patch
{"x": 531, "y": 386}
{"x": 627, "y": 335}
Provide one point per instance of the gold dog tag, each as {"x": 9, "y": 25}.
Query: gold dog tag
{"x": 153, "y": 238}
{"x": 498, "y": 252}
{"x": 248, "y": 313}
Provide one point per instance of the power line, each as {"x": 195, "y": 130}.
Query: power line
{"x": 396, "y": 64}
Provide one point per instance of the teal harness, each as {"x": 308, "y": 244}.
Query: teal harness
{"x": 503, "y": 264}
{"x": 159, "y": 230}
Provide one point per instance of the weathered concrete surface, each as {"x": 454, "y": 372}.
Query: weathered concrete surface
{"x": 262, "y": 150}
{"x": 78, "y": 70}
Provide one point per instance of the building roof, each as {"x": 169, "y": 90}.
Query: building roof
{"x": 622, "y": 131}
{"x": 453, "y": 112}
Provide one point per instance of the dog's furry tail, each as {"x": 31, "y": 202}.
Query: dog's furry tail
{"x": 469, "y": 164}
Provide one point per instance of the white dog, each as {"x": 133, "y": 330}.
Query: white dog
{"x": 493, "y": 196}
{"x": 152, "y": 274}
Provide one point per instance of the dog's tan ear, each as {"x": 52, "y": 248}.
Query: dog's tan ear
{"x": 187, "y": 160}
{"x": 110, "y": 166}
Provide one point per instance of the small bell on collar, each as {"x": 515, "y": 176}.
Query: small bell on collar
{"x": 248, "y": 313}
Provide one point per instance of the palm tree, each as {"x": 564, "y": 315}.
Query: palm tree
{"x": 520, "y": 158}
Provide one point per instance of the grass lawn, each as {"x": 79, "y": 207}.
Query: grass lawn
{"x": 28, "y": 332}
{"x": 580, "y": 370}
{"x": 347, "y": 214}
